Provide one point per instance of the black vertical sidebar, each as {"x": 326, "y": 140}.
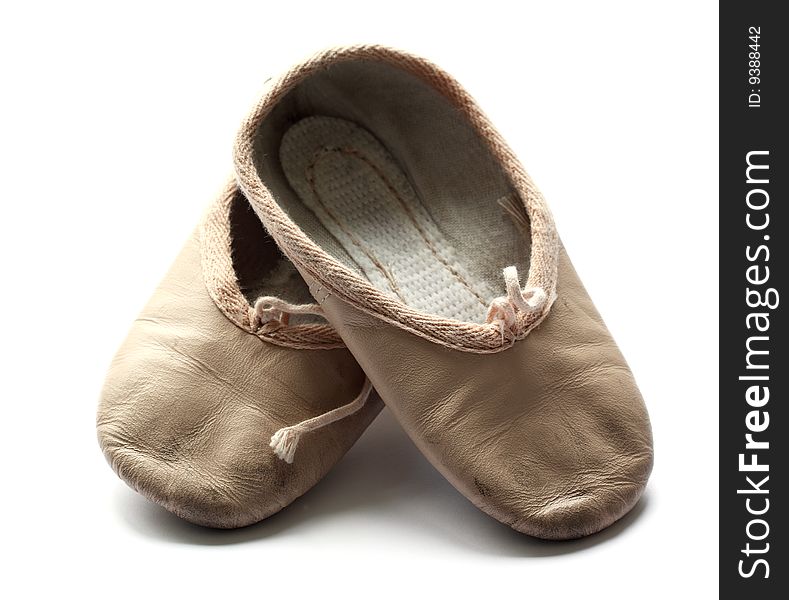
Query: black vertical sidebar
{"x": 754, "y": 264}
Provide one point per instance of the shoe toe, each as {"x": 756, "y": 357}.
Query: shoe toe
{"x": 584, "y": 473}
{"x": 184, "y": 438}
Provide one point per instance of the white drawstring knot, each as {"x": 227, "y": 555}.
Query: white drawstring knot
{"x": 503, "y": 310}
{"x": 270, "y": 312}
{"x": 285, "y": 441}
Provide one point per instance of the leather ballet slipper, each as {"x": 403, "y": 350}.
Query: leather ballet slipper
{"x": 413, "y": 223}
{"x": 231, "y": 395}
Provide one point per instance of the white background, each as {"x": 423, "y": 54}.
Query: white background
{"x": 116, "y": 127}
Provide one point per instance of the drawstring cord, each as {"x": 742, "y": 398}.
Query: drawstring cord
{"x": 503, "y": 310}
{"x": 270, "y": 313}
{"x": 285, "y": 441}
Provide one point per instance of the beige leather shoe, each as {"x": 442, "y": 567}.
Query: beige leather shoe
{"x": 411, "y": 220}
{"x": 205, "y": 379}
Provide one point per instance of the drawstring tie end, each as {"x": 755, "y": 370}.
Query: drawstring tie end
{"x": 285, "y": 441}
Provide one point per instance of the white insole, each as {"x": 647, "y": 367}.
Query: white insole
{"x": 365, "y": 201}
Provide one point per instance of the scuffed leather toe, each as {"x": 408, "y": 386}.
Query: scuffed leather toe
{"x": 191, "y": 401}
{"x": 570, "y": 483}
{"x": 595, "y": 501}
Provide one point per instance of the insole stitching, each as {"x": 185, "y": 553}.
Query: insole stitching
{"x": 357, "y": 154}
{"x": 408, "y": 256}
{"x": 309, "y": 175}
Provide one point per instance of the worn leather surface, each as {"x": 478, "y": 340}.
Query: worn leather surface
{"x": 550, "y": 436}
{"x": 191, "y": 401}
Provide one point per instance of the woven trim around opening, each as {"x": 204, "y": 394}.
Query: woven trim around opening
{"x": 349, "y": 286}
{"x": 220, "y": 280}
